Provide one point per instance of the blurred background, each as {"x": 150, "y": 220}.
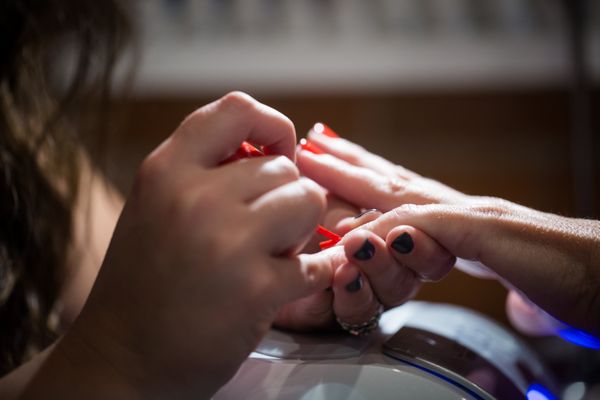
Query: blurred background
{"x": 493, "y": 97}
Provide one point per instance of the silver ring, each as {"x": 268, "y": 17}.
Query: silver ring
{"x": 364, "y": 328}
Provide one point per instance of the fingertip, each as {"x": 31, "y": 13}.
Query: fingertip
{"x": 400, "y": 240}
{"x": 419, "y": 252}
{"x": 355, "y": 240}
{"x": 529, "y": 318}
{"x": 354, "y": 300}
{"x": 348, "y": 286}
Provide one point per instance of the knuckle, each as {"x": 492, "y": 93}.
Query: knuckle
{"x": 394, "y": 187}
{"x": 237, "y": 101}
{"x": 286, "y": 168}
{"x": 404, "y": 191}
{"x": 194, "y": 119}
{"x": 492, "y": 208}
{"x": 233, "y": 102}
{"x": 313, "y": 194}
{"x": 404, "y": 210}
{"x": 286, "y": 122}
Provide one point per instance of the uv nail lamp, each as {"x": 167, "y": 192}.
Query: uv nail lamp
{"x": 421, "y": 351}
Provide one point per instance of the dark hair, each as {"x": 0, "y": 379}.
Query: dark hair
{"x": 40, "y": 142}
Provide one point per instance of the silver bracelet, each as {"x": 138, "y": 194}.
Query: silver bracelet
{"x": 362, "y": 328}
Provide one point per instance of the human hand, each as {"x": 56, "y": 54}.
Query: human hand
{"x": 202, "y": 258}
{"x": 370, "y": 181}
{"x": 370, "y": 276}
{"x": 551, "y": 260}
{"x": 373, "y": 276}
{"x": 367, "y": 180}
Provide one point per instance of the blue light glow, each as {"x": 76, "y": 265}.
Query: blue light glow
{"x": 580, "y": 338}
{"x": 539, "y": 392}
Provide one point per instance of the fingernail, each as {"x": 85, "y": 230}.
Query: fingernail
{"x": 355, "y": 285}
{"x": 365, "y": 212}
{"x": 306, "y": 144}
{"x": 403, "y": 243}
{"x": 366, "y": 252}
{"x": 325, "y": 130}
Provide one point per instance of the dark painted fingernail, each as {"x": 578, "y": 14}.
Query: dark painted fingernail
{"x": 355, "y": 285}
{"x": 365, "y": 212}
{"x": 403, "y": 243}
{"x": 366, "y": 252}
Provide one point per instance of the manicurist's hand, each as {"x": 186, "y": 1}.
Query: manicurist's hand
{"x": 544, "y": 259}
{"x": 202, "y": 258}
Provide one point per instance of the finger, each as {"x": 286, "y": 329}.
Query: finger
{"x": 337, "y": 210}
{"x": 419, "y": 252}
{"x": 249, "y": 178}
{"x": 353, "y": 300}
{"x": 458, "y": 229}
{"x": 214, "y": 132}
{"x": 393, "y": 283}
{"x": 529, "y": 318}
{"x": 355, "y": 154}
{"x": 288, "y": 215}
{"x": 347, "y": 224}
{"x": 307, "y": 313}
{"x": 305, "y": 274}
{"x": 357, "y": 185}
{"x": 509, "y": 241}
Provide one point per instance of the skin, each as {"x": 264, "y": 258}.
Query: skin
{"x": 117, "y": 346}
{"x": 550, "y": 263}
{"x": 185, "y": 291}
{"x": 96, "y": 215}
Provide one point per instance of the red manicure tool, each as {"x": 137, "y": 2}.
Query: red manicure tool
{"x": 247, "y": 150}
{"x": 320, "y": 127}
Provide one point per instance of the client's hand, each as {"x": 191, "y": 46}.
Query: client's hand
{"x": 202, "y": 258}
{"x": 370, "y": 277}
{"x": 373, "y": 276}
{"x": 367, "y": 180}
{"x": 555, "y": 261}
